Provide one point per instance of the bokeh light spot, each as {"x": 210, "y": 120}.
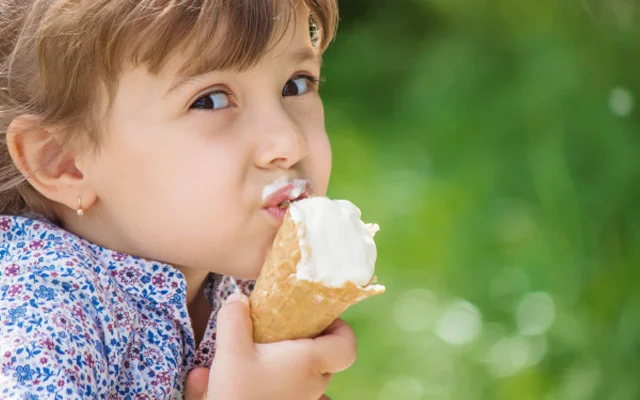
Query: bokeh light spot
{"x": 460, "y": 324}
{"x": 508, "y": 356}
{"x": 620, "y": 102}
{"x": 535, "y": 313}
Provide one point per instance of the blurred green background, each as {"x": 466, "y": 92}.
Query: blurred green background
{"x": 496, "y": 143}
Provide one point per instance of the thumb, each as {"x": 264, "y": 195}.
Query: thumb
{"x": 234, "y": 330}
{"x": 195, "y": 387}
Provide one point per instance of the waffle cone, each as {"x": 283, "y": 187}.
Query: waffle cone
{"x": 284, "y": 307}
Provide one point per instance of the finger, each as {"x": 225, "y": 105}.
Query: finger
{"x": 324, "y": 397}
{"x": 234, "y": 329}
{"x": 335, "y": 325}
{"x": 336, "y": 349}
{"x": 196, "y": 384}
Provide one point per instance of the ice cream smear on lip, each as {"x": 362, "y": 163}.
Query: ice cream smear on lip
{"x": 336, "y": 246}
{"x": 298, "y": 187}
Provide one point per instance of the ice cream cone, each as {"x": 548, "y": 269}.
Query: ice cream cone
{"x": 284, "y": 307}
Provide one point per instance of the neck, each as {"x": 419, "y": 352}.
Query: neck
{"x": 197, "y": 305}
{"x": 195, "y": 279}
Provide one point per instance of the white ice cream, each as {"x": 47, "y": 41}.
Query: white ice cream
{"x": 299, "y": 186}
{"x": 337, "y": 247}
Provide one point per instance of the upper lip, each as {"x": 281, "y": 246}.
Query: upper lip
{"x": 287, "y": 190}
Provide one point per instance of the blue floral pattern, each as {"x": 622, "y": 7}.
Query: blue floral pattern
{"x": 79, "y": 321}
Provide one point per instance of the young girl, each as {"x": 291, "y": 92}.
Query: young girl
{"x": 140, "y": 136}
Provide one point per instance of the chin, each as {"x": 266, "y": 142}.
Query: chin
{"x": 253, "y": 273}
{"x": 247, "y": 271}
{"x": 246, "y": 268}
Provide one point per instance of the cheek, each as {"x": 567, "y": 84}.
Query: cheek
{"x": 320, "y": 161}
{"x": 166, "y": 171}
{"x": 321, "y": 149}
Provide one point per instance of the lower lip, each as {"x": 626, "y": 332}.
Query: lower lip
{"x": 276, "y": 212}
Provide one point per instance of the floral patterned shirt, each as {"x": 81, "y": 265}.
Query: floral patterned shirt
{"x": 78, "y": 321}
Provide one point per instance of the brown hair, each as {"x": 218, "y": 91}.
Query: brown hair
{"x": 56, "y": 55}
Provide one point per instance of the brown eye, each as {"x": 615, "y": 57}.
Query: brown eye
{"x": 212, "y": 101}
{"x": 298, "y": 85}
{"x": 291, "y": 89}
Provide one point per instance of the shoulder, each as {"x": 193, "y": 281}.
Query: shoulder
{"x": 38, "y": 246}
{"x": 52, "y": 308}
{"x": 30, "y": 239}
{"x": 44, "y": 269}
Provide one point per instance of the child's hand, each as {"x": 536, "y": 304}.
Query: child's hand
{"x": 295, "y": 369}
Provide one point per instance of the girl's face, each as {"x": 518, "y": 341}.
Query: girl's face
{"x": 181, "y": 170}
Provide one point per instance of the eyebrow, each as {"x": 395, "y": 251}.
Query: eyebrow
{"x": 297, "y": 57}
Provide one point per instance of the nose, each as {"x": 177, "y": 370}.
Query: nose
{"x": 282, "y": 142}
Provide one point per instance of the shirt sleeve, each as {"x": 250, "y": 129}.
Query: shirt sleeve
{"x": 50, "y": 336}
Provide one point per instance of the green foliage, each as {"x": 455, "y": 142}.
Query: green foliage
{"x": 497, "y": 145}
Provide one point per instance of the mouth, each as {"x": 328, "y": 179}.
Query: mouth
{"x": 283, "y": 193}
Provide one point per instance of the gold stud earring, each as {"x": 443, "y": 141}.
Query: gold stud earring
{"x": 80, "y": 211}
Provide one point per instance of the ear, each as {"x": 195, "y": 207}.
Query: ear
{"x": 48, "y": 164}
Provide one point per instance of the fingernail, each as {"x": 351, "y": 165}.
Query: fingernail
{"x": 237, "y": 298}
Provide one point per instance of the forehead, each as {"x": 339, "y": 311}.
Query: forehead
{"x": 291, "y": 40}
{"x": 237, "y": 42}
